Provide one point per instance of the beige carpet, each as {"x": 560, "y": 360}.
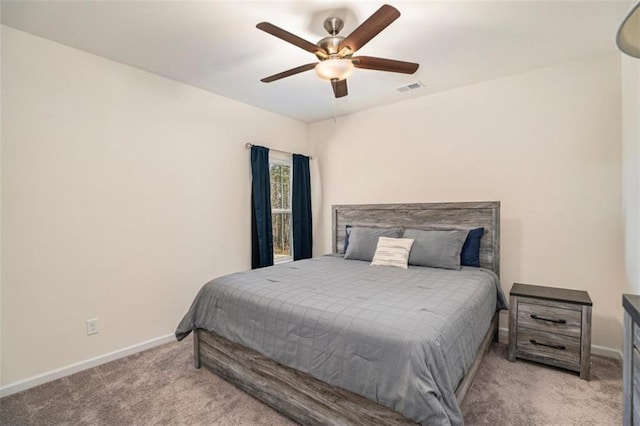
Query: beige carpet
{"x": 160, "y": 386}
{"x": 526, "y": 393}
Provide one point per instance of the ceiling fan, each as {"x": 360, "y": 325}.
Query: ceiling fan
{"x": 336, "y": 52}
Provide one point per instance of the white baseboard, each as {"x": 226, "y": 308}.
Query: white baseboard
{"x": 607, "y": 352}
{"x": 130, "y": 350}
{"x": 595, "y": 349}
{"x": 83, "y": 365}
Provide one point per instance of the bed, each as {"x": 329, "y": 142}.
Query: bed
{"x": 335, "y": 341}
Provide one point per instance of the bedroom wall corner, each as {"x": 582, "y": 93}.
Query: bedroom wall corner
{"x": 122, "y": 194}
{"x": 631, "y": 169}
{"x": 546, "y": 143}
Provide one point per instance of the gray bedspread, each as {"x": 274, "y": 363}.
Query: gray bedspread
{"x": 402, "y": 338}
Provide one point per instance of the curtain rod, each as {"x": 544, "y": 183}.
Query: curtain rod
{"x": 249, "y": 145}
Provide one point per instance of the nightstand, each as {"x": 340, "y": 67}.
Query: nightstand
{"x": 552, "y": 326}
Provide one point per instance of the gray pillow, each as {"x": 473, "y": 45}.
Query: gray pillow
{"x": 437, "y": 249}
{"x": 363, "y": 241}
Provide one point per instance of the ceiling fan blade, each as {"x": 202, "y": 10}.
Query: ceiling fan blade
{"x": 370, "y": 28}
{"x": 290, "y": 38}
{"x": 288, "y": 73}
{"x": 339, "y": 88}
{"x": 292, "y": 71}
{"x": 381, "y": 64}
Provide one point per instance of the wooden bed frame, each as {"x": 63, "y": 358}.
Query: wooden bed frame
{"x": 310, "y": 401}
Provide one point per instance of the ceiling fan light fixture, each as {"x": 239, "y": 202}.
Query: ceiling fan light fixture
{"x": 628, "y": 37}
{"x": 334, "y": 69}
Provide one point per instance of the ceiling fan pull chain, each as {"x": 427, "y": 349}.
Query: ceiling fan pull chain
{"x": 333, "y": 104}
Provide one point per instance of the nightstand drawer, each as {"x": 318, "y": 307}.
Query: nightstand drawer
{"x": 550, "y": 319}
{"x": 549, "y": 345}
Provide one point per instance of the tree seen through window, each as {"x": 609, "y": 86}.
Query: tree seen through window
{"x": 280, "y": 174}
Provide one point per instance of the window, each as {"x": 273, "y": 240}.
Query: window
{"x": 281, "y": 179}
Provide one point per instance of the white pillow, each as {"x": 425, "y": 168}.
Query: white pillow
{"x": 392, "y": 252}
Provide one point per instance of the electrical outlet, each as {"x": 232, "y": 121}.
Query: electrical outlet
{"x": 92, "y": 326}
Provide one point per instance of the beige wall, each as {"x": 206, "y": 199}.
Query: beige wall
{"x": 122, "y": 193}
{"x": 120, "y": 188}
{"x": 545, "y": 143}
{"x": 631, "y": 169}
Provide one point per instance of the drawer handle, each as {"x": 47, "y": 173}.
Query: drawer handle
{"x": 557, "y": 321}
{"x": 561, "y": 347}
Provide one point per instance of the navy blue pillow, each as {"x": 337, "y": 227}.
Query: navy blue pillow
{"x": 347, "y": 231}
{"x": 470, "y": 254}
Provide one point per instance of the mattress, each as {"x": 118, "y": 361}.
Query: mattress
{"x": 402, "y": 338}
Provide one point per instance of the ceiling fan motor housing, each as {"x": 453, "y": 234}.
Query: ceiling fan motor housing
{"x": 330, "y": 45}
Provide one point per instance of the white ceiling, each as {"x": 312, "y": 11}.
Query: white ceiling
{"x": 214, "y": 45}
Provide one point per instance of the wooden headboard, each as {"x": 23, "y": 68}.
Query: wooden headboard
{"x": 465, "y": 215}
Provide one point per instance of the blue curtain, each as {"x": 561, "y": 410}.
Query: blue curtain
{"x": 261, "y": 231}
{"x": 301, "y": 208}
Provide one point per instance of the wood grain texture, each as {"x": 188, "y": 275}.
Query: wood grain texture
{"x": 631, "y": 360}
{"x": 636, "y": 398}
{"x": 585, "y": 347}
{"x": 574, "y": 335}
{"x": 513, "y": 327}
{"x": 296, "y": 394}
{"x": 635, "y": 415}
{"x": 631, "y": 305}
{"x": 548, "y": 360}
{"x": 464, "y": 215}
{"x": 300, "y": 396}
{"x": 542, "y": 302}
{"x": 627, "y": 370}
{"x": 556, "y": 294}
{"x": 535, "y": 316}
{"x": 196, "y": 350}
{"x": 542, "y": 348}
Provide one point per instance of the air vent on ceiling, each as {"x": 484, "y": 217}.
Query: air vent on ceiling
{"x": 410, "y": 86}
